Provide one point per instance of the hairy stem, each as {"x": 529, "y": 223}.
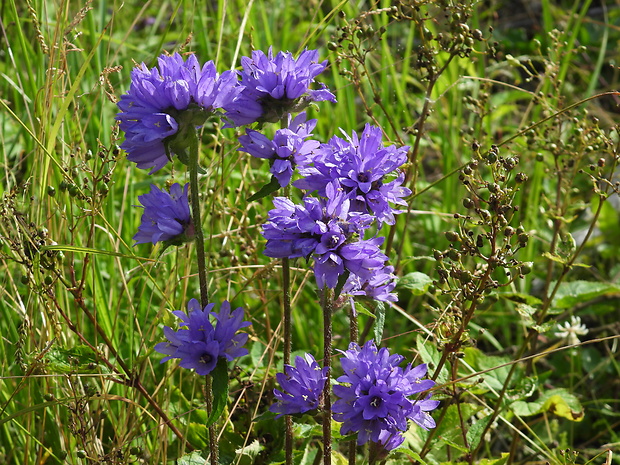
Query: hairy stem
{"x": 328, "y": 305}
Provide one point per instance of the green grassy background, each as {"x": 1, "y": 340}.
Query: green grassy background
{"x": 82, "y": 308}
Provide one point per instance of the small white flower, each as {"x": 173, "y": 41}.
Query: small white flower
{"x": 570, "y": 331}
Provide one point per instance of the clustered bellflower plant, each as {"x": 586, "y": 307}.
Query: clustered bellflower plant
{"x": 375, "y": 396}
{"x": 349, "y": 188}
{"x": 199, "y": 343}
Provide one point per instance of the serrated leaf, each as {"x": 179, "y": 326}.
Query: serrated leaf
{"x": 474, "y": 433}
{"x": 379, "y": 322}
{"x": 418, "y": 283}
{"x": 220, "y": 390}
{"x": 267, "y": 189}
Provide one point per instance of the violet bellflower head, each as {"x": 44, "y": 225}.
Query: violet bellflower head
{"x": 374, "y": 396}
{"x": 327, "y": 231}
{"x": 167, "y": 102}
{"x": 199, "y": 343}
{"x": 275, "y": 86}
{"x": 166, "y": 216}
{"x": 288, "y": 149}
{"x": 302, "y": 386}
{"x": 361, "y": 167}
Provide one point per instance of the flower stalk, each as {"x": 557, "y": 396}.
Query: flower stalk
{"x": 202, "y": 274}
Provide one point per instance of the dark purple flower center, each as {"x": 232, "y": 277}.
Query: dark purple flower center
{"x": 362, "y": 177}
{"x": 376, "y": 401}
{"x": 206, "y": 358}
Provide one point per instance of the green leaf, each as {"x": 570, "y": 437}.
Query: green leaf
{"x": 220, "y": 390}
{"x": 499, "y": 461}
{"x": 74, "y": 249}
{"x": 474, "y": 433}
{"x": 361, "y": 308}
{"x": 193, "y": 458}
{"x": 198, "y": 435}
{"x": 557, "y": 401}
{"x": 248, "y": 454}
{"x": 431, "y": 356}
{"x": 480, "y": 361}
{"x": 418, "y": 283}
{"x": 520, "y": 298}
{"x": 555, "y": 258}
{"x": 78, "y": 359}
{"x": 414, "y": 455}
{"x": 267, "y": 189}
{"x": 379, "y": 322}
{"x": 573, "y": 293}
{"x": 338, "y": 458}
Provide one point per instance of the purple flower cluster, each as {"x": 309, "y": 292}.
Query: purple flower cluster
{"x": 199, "y": 344}
{"x": 166, "y": 216}
{"x": 166, "y": 102}
{"x": 288, "y": 148}
{"x": 359, "y": 166}
{"x": 326, "y": 230}
{"x": 276, "y": 86}
{"x": 374, "y": 396}
{"x": 302, "y": 386}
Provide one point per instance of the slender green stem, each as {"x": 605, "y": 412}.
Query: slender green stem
{"x": 328, "y": 305}
{"x": 202, "y": 275}
{"x": 196, "y": 218}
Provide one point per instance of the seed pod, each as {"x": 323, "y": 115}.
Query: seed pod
{"x": 521, "y": 177}
{"x": 452, "y": 236}
{"x": 526, "y": 268}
